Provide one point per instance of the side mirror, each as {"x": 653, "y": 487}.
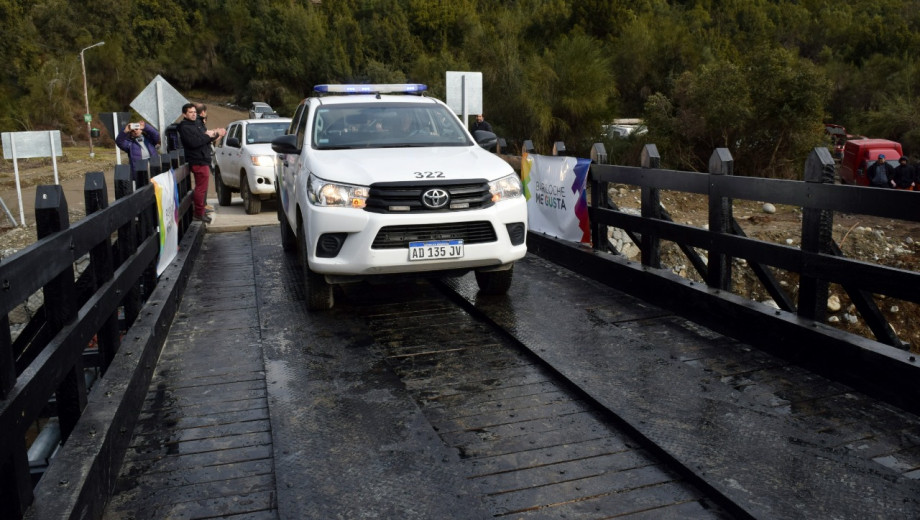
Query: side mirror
{"x": 233, "y": 142}
{"x": 285, "y": 144}
{"x": 485, "y": 139}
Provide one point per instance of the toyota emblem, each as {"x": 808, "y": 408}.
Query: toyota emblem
{"x": 435, "y": 198}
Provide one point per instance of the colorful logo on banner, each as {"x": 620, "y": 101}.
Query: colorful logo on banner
{"x": 164, "y": 186}
{"x": 555, "y": 189}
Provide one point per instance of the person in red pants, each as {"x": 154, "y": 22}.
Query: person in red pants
{"x": 197, "y": 144}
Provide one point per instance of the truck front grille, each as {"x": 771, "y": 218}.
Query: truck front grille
{"x": 406, "y": 197}
{"x": 398, "y": 237}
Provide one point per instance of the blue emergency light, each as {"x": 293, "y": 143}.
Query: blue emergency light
{"x": 386, "y": 88}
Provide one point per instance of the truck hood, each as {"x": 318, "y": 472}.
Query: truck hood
{"x": 368, "y": 165}
{"x": 260, "y": 149}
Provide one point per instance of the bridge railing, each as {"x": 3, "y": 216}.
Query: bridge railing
{"x": 797, "y": 329}
{"x": 80, "y": 330}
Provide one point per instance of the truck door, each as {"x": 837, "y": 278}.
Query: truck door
{"x": 288, "y": 164}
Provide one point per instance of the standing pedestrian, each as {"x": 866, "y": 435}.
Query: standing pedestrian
{"x": 140, "y": 141}
{"x": 202, "y": 121}
{"x": 880, "y": 173}
{"x": 480, "y": 124}
{"x": 197, "y": 144}
{"x": 904, "y": 175}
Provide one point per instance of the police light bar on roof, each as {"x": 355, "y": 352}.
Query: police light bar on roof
{"x": 387, "y": 88}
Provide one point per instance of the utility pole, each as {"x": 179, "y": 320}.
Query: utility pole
{"x": 87, "y": 116}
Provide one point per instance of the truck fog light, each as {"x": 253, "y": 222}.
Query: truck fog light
{"x": 329, "y": 244}
{"x": 517, "y": 232}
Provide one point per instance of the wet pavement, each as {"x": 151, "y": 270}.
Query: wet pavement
{"x": 584, "y": 403}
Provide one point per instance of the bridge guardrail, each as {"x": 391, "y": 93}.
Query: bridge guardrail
{"x": 115, "y": 305}
{"x": 797, "y": 330}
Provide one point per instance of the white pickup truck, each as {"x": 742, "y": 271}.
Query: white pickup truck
{"x": 379, "y": 180}
{"x": 245, "y": 163}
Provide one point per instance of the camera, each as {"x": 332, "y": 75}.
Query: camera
{"x": 134, "y": 126}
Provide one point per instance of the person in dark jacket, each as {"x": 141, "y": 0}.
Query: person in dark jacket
{"x": 140, "y": 141}
{"x": 202, "y": 121}
{"x": 880, "y": 173}
{"x": 904, "y": 175}
{"x": 480, "y": 124}
{"x": 197, "y": 144}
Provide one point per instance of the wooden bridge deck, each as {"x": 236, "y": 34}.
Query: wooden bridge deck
{"x": 244, "y": 365}
{"x": 202, "y": 446}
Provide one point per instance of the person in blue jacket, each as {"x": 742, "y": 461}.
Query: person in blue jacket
{"x": 139, "y": 141}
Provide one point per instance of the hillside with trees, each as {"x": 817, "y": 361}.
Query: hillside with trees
{"x": 757, "y": 76}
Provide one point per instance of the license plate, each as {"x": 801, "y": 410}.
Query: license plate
{"x": 435, "y": 250}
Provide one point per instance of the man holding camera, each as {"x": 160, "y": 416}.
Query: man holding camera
{"x": 140, "y": 142}
{"x": 197, "y": 144}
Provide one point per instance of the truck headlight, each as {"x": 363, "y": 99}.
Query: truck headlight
{"x": 508, "y": 187}
{"x": 330, "y": 194}
{"x": 263, "y": 160}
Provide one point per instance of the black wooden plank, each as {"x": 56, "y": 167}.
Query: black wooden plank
{"x": 580, "y": 489}
{"x": 503, "y": 463}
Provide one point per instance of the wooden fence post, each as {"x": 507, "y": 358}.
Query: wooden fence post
{"x": 51, "y": 216}
{"x": 599, "y": 199}
{"x": 817, "y": 237}
{"x": 96, "y": 198}
{"x": 651, "y": 208}
{"x": 719, "y": 272}
{"x": 127, "y": 241}
{"x": 15, "y": 480}
{"x": 7, "y": 360}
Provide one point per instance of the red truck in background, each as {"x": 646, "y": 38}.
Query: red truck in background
{"x": 859, "y": 153}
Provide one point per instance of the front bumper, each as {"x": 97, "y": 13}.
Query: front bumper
{"x": 357, "y": 257}
{"x": 261, "y": 180}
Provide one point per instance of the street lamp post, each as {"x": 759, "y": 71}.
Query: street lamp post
{"x": 88, "y": 117}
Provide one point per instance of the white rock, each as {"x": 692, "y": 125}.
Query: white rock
{"x": 908, "y": 241}
{"x": 769, "y": 208}
{"x": 850, "y": 318}
{"x": 770, "y": 303}
{"x": 894, "y": 308}
{"x": 833, "y": 303}
{"x": 789, "y": 241}
{"x": 833, "y": 319}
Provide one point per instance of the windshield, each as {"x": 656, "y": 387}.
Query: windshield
{"x": 386, "y": 126}
{"x": 262, "y": 109}
{"x": 264, "y": 132}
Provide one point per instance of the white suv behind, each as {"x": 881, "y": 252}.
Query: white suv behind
{"x": 374, "y": 181}
{"x": 245, "y": 162}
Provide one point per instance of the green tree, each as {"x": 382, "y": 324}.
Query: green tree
{"x": 573, "y": 92}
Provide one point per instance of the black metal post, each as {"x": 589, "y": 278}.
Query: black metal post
{"x": 651, "y": 208}
{"x": 719, "y": 273}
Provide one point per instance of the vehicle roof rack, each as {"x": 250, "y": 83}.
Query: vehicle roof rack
{"x": 376, "y": 88}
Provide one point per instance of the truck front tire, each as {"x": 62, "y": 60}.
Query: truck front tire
{"x": 318, "y": 290}
{"x": 494, "y": 282}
